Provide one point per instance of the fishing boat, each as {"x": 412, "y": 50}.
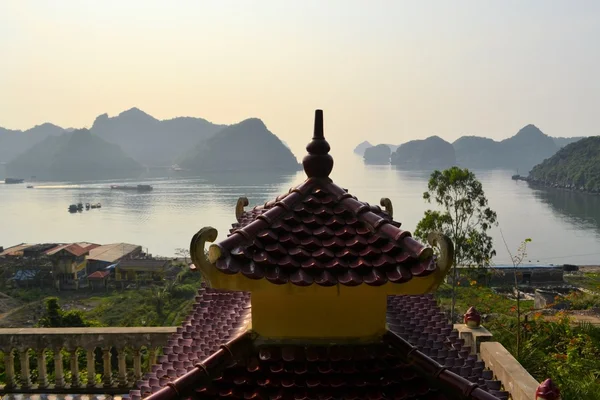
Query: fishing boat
{"x": 13, "y": 180}
{"x": 79, "y": 206}
{"x": 96, "y": 205}
{"x": 73, "y": 208}
{"x": 87, "y": 206}
{"x": 139, "y": 188}
{"x": 29, "y": 187}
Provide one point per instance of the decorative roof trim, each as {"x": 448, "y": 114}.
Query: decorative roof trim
{"x": 435, "y": 370}
{"x": 206, "y": 370}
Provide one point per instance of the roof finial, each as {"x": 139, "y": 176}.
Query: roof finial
{"x": 318, "y": 163}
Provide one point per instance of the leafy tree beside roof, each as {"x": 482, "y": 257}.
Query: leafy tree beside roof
{"x": 463, "y": 215}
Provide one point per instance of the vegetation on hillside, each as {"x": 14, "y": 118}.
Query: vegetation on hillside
{"x": 576, "y": 166}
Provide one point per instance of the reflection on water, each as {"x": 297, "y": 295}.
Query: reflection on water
{"x": 580, "y": 209}
{"x": 564, "y": 226}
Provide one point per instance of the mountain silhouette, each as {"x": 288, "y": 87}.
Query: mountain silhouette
{"x": 78, "y": 155}
{"x": 520, "y": 152}
{"x": 431, "y": 153}
{"x": 245, "y": 146}
{"x": 151, "y": 141}
{"x": 379, "y": 154}
{"x": 15, "y": 142}
{"x": 575, "y": 166}
{"x": 360, "y": 149}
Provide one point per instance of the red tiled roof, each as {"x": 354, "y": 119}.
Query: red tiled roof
{"x": 420, "y": 356}
{"x": 76, "y": 250}
{"x": 98, "y": 275}
{"x": 320, "y": 234}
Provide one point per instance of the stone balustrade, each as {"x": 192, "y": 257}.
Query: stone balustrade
{"x": 78, "y": 360}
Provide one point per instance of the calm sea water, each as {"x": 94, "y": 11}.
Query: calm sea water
{"x": 564, "y": 226}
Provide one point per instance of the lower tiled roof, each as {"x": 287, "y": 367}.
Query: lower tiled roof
{"x": 217, "y": 316}
{"x": 420, "y": 358}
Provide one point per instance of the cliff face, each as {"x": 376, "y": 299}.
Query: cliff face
{"x": 575, "y": 166}
{"x": 151, "y": 141}
{"x": 379, "y": 154}
{"x": 248, "y": 145}
{"x": 78, "y": 155}
{"x": 431, "y": 153}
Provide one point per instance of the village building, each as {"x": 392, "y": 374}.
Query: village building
{"x": 141, "y": 269}
{"x": 317, "y": 295}
{"x": 108, "y": 255}
{"x": 68, "y": 266}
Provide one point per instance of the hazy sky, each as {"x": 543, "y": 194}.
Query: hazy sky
{"x": 386, "y": 71}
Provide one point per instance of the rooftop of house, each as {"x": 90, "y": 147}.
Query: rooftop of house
{"x": 16, "y": 250}
{"x": 113, "y": 252}
{"x": 98, "y": 275}
{"x": 146, "y": 263}
{"x": 72, "y": 248}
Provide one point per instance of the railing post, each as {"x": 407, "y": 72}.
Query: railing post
{"x": 137, "y": 365}
{"x": 74, "y": 368}
{"x": 122, "y": 368}
{"x": 107, "y": 376}
{"x": 90, "y": 356}
{"x": 59, "y": 374}
{"x": 9, "y": 367}
{"x": 151, "y": 357}
{"x": 25, "y": 370}
{"x": 42, "y": 380}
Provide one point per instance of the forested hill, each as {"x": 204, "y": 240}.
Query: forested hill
{"x": 575, "y": 166}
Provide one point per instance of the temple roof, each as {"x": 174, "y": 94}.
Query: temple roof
{"x": 214, "y": 356}
{"x": 320, "y": 234}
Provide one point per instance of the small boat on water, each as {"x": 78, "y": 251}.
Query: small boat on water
{"x": 73, "y": 208}
{"x": 96, "y": 205}
{"x": 13, "y": 180}
{"x": 87, "y": 206}
{"x": 79, "y": 206}
{"x": 139, "y": 188}
{"x": 29, "y": 187}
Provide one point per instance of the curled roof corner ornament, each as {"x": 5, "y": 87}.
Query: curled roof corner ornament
{"x": 197, "y": 249}
{"x": 445, "y": 258}
{"x": 386, "y": 203}
{"x": 547, "y": 391}
{"x": 472, "y": 318}
{"x": 239, "y": 207}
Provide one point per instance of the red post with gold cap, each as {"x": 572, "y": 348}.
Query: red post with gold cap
{"x": 547, "y": 391}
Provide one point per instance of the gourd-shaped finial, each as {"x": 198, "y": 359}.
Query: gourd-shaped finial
{"x": 318, "y": 163}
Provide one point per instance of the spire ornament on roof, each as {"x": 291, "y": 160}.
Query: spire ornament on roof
{"x": 318, "y": 163}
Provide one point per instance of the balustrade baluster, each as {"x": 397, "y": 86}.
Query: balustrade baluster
{"x": 151, "y": 357}
{"x": 42, "y": 380}
{"x": 59, "y": 374}
{"x": 75, "y": 383}
{"x": 9, "y": 367}
{"x": 137, "y": 365}
{"x": 107, "y": 376}
{"x": 121, "y": 357}
{"x": 90, "y": 356}
{"x": 25, "y": 370}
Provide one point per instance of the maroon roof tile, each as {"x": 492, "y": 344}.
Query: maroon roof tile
{"x": 387, "y": 369}
{"x": 316, "y": 228}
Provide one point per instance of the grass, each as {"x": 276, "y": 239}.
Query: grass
{"x": 587, "y": 280}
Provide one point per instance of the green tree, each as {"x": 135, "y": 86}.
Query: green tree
{"x": 463, "y": 216}
{"x": 56, "y": 317}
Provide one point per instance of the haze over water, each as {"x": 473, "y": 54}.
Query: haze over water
{"x": 564, "y": 226}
